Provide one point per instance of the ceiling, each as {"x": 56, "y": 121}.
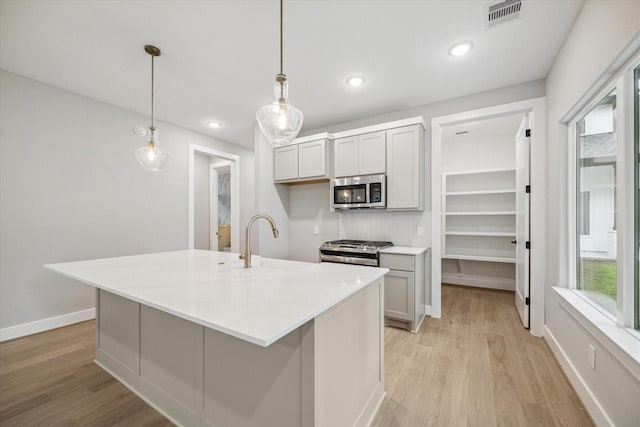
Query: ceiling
{"x": 219, "y": 58}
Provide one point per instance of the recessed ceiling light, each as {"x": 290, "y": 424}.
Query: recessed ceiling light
{"x": 460, "y": 49}
{"x": 214, "y": 125}
{"x": 355, "y": 81}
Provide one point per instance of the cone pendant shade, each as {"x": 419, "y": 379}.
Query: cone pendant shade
{"x": 279, "y": 121}
{"x": 151, "y": 157}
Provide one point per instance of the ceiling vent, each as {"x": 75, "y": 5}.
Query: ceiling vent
{"x": 504, "y": 11}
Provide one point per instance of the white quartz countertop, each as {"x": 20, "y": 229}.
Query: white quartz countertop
{"x": 260, "y": 304}
{"x": 403, "y": 250}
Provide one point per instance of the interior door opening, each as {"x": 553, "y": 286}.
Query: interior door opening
{"x": 485, "y": 211}
{"x": 213, "y": 200}
{"x": 220, "y": 205}
{"x": 498, "y": 227}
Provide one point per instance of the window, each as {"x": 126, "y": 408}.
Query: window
{"x": 596, "y": 204}
{"x": 605, "y": 200}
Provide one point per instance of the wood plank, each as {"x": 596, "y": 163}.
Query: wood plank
{"x": 475, "y": 366}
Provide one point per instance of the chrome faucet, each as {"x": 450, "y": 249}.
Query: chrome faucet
{"x": 246, "y": 255}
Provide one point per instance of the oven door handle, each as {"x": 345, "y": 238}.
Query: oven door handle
{"x": 349, "y": 260}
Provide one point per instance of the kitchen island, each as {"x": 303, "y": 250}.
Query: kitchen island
{"x": 207, "y": 342}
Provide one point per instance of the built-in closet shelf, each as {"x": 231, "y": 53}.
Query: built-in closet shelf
{"x": 478, "y": 192}
{"x": 480, "y": 258}
{"x": 479, "y": 233}
{"x": 479, "y": 215}
{"x": 482, "y": 213}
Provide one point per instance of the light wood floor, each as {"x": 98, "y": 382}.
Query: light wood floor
{"x": 473, "y": 367}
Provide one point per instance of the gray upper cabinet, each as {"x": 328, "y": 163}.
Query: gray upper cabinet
{"x": 285, "y": 163}
{"x": 305, "y": 161}
{"x": 405, "y": 168}
{"x": 360, "y": 154}
{"x": 312, "y": 159}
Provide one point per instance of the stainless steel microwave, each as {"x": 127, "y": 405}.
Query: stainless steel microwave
{"x": 356, "y": 192}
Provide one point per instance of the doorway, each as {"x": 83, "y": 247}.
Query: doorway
{"x": 220, "y": 205}
{"x": 213, "y": 199}
{"x": 466, "y": 244}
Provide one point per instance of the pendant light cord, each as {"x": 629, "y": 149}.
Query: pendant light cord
{"x": 281, "y": 44}
{"x": 152, "y": 84}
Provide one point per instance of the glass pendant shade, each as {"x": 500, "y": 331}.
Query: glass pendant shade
{"x": 280, "y": 121}
{"x": 151, "y": 157}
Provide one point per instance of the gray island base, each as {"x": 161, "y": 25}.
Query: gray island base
{"x": 246, "y": 361}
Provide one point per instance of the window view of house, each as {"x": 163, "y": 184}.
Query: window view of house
{"x": 596, "y": 219}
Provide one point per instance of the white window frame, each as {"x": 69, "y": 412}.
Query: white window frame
{"x": 625, "y": 204}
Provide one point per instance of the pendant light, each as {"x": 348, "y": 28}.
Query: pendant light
{"x": 152, "y": 157}
{"x": 280, "y": 121}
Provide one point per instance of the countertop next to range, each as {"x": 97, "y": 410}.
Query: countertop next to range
{"x": 259, "y": 304}
{"x": 403, "y": 250}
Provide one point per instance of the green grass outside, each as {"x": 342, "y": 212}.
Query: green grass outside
{"x": 599, "y": 276}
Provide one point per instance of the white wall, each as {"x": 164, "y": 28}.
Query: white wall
{"x": 601, "y": 31}
{"x": 308, "y": 208}
{"x": 71, "y": 189}
{"x": 202, "y": 194}
{"x": 271, "y": 199}
{"x": 468, "y": 153}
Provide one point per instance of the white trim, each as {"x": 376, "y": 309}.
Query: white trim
{"x": 595, "y": 410}
{"x": 603, "y": 81}
{"x": 213, "y": 205}
{"x": 235, "y": 193}
{"x": 626, "y": 200}
{"x": 427, "y": 310}
{"x": 419, "y": 120}
{"x": 42, "y": 325}
{"x": 311, "y": 138}
{"x": 537, "y": 116}
{"x": 436, "y": 220}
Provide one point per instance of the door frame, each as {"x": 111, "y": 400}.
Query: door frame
{"x": 523, "y": 215}
{"x": 235, "y": 192}
{"x": 536, "y": 108}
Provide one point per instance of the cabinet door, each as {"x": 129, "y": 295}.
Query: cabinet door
{"x": 285, "y": 163}
{"x": 372, "y": 153}
{"x": 346, "y": 156}
{"x": 312, "y": 159}
{"x": 404, "y": 175}
{"x": 399, "y": 294}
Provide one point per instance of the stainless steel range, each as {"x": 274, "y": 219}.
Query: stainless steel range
{"x": 360, "y": 252}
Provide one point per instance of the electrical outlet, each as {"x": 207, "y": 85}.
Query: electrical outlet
{"x": 316, "y": 230}
{"x": 420, "y": 231}
{"x": 592, "y": 357}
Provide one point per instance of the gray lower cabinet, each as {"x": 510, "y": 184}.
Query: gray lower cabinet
{"x": 404, "y": 290}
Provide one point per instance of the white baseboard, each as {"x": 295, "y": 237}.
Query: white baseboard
{"x": 427, "y": 310}
{"x": 590, "y": 402}
{"x": 30, "y": 328}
